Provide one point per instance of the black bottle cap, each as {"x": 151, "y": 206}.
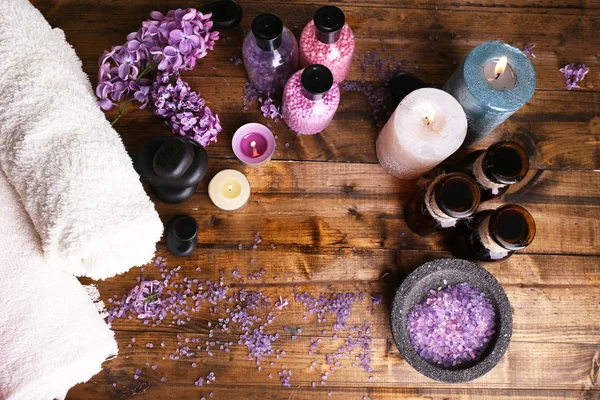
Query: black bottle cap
{"x": 267, "y": 29}
{"x": 317, "y": 79}
{"x": 402, "y": 84}
{"x": 182, "y": 234}
{"x": 329, "y": 21}
{"x": 225, "y": 13}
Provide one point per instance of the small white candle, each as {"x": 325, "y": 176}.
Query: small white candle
{"x": 500, "y": 74}
{"x": 427, "y": 126}
{"x": 229, "y": 190}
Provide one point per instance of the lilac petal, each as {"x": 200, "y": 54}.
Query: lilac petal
{"x": 194, "y": 40}
{"x": 170, "y": 51}
{"x": 123, "y": 71}
{"x": 184, "y": 46}
{"x": 105, "y": 104}
{"x": 176, "y": 35}
{"x": 133, "y": 45}
{"x": 190, "y": 15}
{"x": 157, "y": 15}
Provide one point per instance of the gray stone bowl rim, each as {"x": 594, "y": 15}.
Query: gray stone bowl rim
{"x": 432, "y": 275}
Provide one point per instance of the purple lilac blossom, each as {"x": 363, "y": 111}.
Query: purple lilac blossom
{"x": 574, "y": 73}
{"x": 184, "y": 110}
{"x": 528, "y": 50}
{"x": 160, "y": 49}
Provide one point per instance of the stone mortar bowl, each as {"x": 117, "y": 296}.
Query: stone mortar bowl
{"x": 441, "y": 273}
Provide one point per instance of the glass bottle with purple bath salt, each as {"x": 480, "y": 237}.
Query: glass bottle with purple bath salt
{"x": 329, "y": 41}
{"x": 270, "y": 54}
{"x": 310, "y": 100}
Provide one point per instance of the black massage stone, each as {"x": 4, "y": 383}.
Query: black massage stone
{"x": 173, "y": 158}
{"x": 181, "y": 235}
{"x": 441, "y": 273}
{"x": 172, "y": 167}
{"x": 404, "y": 83}
{"x": 225, "y": 13}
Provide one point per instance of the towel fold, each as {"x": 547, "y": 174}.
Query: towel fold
{"x": 51, "y": 335}
{"x": 65, "y": 161}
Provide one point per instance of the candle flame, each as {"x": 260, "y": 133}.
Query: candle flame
{"x": 429, "y": 117}
{"x": 230, "y": 187}
{"x": 254, "y": 151}
{"x": 500, "y": 66}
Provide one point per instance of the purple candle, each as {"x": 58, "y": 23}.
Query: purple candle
{"x": 253, "y": 144}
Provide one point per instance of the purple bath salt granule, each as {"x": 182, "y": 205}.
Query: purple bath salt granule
{"x": 336, "y": 56}
{"x": 307, "y": 113}
{"x": 452, "y": 325}
{"x": 285, "y": 376}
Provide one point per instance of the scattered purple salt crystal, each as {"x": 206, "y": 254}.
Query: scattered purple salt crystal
{"x": 376, "y": 298}
{"x": 236, "y": 273}
{"x": 114, "y": 385}
{"x": 212, "y": 394}
{"x": 528, "y": 50}
{"x": 574, "y": 73}
{"x": 149, "y": 345}
{"x": 452, "y": 325}
{"x": 136, "y": 377}
{"x": 154, "y": 367}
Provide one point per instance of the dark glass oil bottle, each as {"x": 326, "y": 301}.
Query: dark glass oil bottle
{"x": 439, "y": 205}
{"x": 495, "y": 169}
{"x": 495, "y": 235}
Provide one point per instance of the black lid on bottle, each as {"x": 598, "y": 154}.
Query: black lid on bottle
{"x": 267, "y": 29}
{"x": 225, "y": 13}
{"x": 329, "y": 21}
{"x": 402, "y": 84}
{"x": 317, "y": 79}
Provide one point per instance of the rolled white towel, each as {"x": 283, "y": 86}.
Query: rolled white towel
{"x": 51, "y": 335}
{"x": 65, "y": 161}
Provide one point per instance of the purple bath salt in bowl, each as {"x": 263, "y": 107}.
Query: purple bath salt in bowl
{"x": 451, "y": 320}
{"x": 310, "y": 100}
{"x": 452, "y": 325}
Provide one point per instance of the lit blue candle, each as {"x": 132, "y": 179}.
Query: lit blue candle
{"x": 493, "y": 82}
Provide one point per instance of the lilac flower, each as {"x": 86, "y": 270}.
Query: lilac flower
{"x": 574, "y": 73}
{"x": 184, "y": 110}
{"x": 185, "y": 38}
{"x": 528, "y": 50}
{"x": 269, "y": 108}
{"x": 157, "y": 52}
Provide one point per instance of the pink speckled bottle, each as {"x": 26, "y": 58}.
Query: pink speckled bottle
{"x": 310, "y": 100}
{"x": 329, "y": 41}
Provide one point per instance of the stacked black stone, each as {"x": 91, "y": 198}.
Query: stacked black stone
{"x": 172, "y": 167}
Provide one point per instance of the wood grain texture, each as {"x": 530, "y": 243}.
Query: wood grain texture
{"x": 336, "y": 217}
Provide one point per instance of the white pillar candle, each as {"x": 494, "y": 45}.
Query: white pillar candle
{"x": 427, "y": 126}
{"x": 229, "y": 190}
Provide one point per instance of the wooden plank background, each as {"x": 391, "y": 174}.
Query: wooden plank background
{"x": 336, "y": 216}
